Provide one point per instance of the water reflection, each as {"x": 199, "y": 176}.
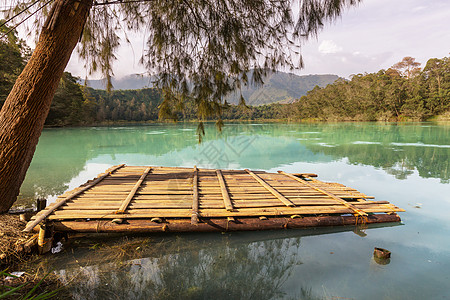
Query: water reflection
{"x": 400, "y": 150}
{"x": 183, "y": 270}
{"x": 252, "y": 265}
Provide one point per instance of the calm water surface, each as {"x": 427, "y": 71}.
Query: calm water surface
{"x": 406, "y": 164}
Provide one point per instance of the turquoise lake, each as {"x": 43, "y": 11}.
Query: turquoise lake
{"x": 406, "y": 164}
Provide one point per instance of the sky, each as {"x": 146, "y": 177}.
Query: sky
{"x": 372, "y": 36}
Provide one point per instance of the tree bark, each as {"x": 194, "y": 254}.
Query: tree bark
{"x": 26, "y": 108}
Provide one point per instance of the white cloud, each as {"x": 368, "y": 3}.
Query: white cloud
{"x": 419, "y": 8}
{"x": 328, "y": 47}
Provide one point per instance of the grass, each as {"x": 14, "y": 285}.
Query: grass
{"x": 27, "y": 290}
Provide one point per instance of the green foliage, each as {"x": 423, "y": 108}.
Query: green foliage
{"x": 126, "y": 105}
{"x": 386, "y": 95}
{"x": 70, "y": 105}
{"x": 13, "y": 56}
{"x": 23, "y": 292}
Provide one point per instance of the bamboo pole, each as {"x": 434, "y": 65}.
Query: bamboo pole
{"x": 353, "y": 192}
{"x": 268, "y": 187}
{"x": 194, "y": 216}
{"x": 223, "y": 189}
{"x": 340, "y": 200}
{"x": 220, "y": 212}
{"x": 214, "y": 225}
{"x": 46, "y": 213}
{"x": 130, "y": 196}
{"x": 205, "y": 204}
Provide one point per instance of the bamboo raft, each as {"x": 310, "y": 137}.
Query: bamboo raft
{"x": 171, "y": 199}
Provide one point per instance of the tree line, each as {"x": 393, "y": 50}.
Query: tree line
{"x": 402, "y": 92}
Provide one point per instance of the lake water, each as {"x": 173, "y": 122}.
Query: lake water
{"x": 406, "y": 164}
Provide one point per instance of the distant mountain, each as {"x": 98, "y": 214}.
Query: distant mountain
{"x": 278, "y": 87}
{"x": 282, "y": 87}
{"x": 129, "y": 82}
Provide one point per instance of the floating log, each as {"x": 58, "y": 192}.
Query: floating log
{"x": 221, "y": 225}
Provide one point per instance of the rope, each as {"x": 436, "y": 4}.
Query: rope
{"x": 364, "y": 219}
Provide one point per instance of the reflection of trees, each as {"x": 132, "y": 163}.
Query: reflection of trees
{"x": 245, "y": 265}
{"x": 187, "y": 270}
{"x": 399, "y": 149}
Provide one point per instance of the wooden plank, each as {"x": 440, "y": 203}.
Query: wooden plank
{"x": 195, "y": 203}
{"x": 188, "y": 197}
{"x": 46, "y": 213}
{"x": 223, "y": 188}
{"x": 216, "y": 204}
{"x": 277, "y": 194}
{"x": 208, "y": 213}
{"x": 340, "y": 200}
{"x": 130, "y": 196}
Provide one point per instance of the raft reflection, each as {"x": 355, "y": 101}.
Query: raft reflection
{"x": 246, "y": 265}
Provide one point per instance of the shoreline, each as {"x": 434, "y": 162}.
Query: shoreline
{"x": 441, "y": 119}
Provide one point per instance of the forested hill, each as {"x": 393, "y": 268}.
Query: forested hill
{"x": 403, "y": 92}
{"x": 278, "y": 87}
{"x": 282, "y": 87}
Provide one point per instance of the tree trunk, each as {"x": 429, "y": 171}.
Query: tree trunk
{"x": 25, "y": 110}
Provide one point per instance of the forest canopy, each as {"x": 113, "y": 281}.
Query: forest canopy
{"x": 403, "y": 92}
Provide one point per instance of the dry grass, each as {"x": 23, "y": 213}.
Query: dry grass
{"x": 13, "y": 257}
{"x": 11, "y": 240}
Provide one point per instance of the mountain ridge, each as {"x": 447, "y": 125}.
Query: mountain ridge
{"x": 278, "y": 87}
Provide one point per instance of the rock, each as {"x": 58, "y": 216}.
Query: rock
{"x": 381, "y": 253}
{"x": 381, "y": 256}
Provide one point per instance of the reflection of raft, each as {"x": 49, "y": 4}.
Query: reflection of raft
{"x": 152, "y": 199}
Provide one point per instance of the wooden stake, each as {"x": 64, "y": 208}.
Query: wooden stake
{"x": 45, "y": 239}
{"x": 41, "y": 203}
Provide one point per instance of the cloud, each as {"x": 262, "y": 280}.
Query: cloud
{"x": 329, "y": 47}
{"x": 419, "y": 8}
{"x": 343, "y": 63}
